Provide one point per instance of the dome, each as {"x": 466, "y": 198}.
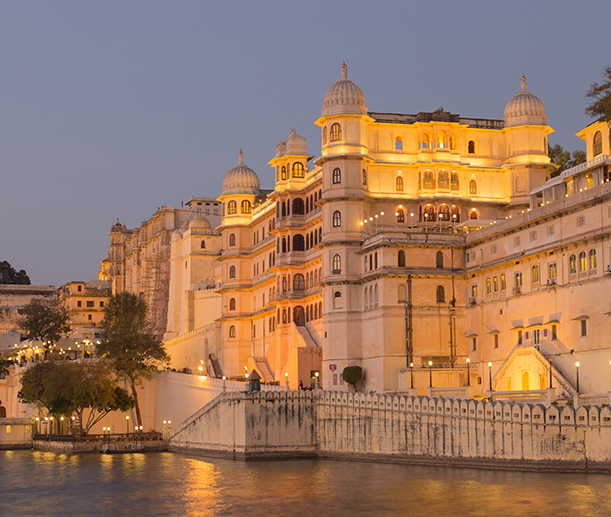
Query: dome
{"x": 280, "y": 149}
{"x": 176, "y": 236}
{"x": 199, "y": 222}
{"x": 241, "y": 180}
{"x": 296, "y": 144}
{"x": 344, "y": 97}
{"x": 524, "y": 108}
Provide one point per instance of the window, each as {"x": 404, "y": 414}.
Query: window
{"x": 503, "y": 282}
{"x": 488, "y": 286}
{"x": 554, "y": 332}
{"x": 443, "y": 179}
{"x": 283, "y": 284}
{"x": 473, "y": 214}
{"x": 495, "y": 284}
{"x": 536, "y": 337}
{"x": 598, "y": 143}
{"x": 400, "y": 258}
{"x": 439, "y": 260}
{"x": 298, "y": 243}
{"x": 232, "y": 331}
{"x": 232, "y": 272}
{"x": 232, "y": 239}
{"x": 298, "y": 206}
{"x": 337, "y": 219}
{"x": 298, "y": 170}
{"x": 335, "y": 133}
{"x": 79, "y": 288}
{"x": 324, "y": 135}
{"x": 474, "y": 344}
{"x": 398, "y": 144}
{"x": 245, "y": 207}
{"x": 283, "y": 173}
{"x": 428, "y": 180}
{"x": 79, "y": 303}
{"x": 232, "y": 304}
{"x": 519, "y": 338}
{"x": 298, "y": 282}
{"x": 400, "y": 214}
{"x": 89, "y": 303}
{"x": 336, "y": 264}
{"x": 518, "y": 280}
{"x": 375, "y": 259}
{"x": 101, "y": 304}
{"x": 441, "y": 295}
{"x": 454, "y": 181}
{"x": 473, "y": 188}
{"x": 232, "y": 208}
{"x": 583, "y": 264}
{"x": 584, "y": 328}
{"x": 429, "y": 213}
{"x": 203, "y": 245}
{"x": 552, "y": 270}
{"x": 337, "y": 300}
{"x": 444, "y": 213}
{"x": 399, "y": 184}
{"x": 425, "y": 141}
{"x": 337, "y": 176}
{"x": 364, "y": 177}
{"x": 572, "y": 264}
{"x": 535, "y": 274}
{"x": 592, "y": 255}
{"x": 474, "y": 291}
{"x": 496, "y": 341}
{"x": 442, "y": 141}
{"x": 471, "y": 147}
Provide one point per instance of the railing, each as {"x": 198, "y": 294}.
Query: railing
{"x": 456, "y": 393}
{"x": 211, "y": 383}
{"x": 593, "y": 400}
{"x": 526, "y": 395}
{"x": 603, "y": 158}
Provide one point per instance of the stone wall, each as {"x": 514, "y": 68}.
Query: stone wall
{"x": 422, "y": 430}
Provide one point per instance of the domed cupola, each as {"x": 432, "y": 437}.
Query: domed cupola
{"x": 280, "y": 149}
{"x": 241, "y": 180}
{"x": 296, "y": 144}
{"x": 199, "y": 222}
{"x": 344, "y": 97}
{"x": 525, "y": 108}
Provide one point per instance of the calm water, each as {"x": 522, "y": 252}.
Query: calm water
{"x": 40, "y": 484}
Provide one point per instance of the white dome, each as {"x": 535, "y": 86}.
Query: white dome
{"x": 199, "y": 222}
{"x": 344, "y": 97}
{"x": 241, "y": 180}
{"x": 296, "y": 144}
{"x": 280, "y": 149}
{"x": 524, "y": 108}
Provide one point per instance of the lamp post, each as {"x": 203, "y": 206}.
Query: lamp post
{"x": 411, "y": 374}
{"x": 411, "y": 221}
{"x": 490, "y": 374}
{"x": 468, "y": 371}
{"x": 127, "y": 425}
{"x": 577, "y": 373}
{"x": 397, "y": 221}
{"x": 426, "y": 218}
{"x": 430, "y": 374}
{"x": 316, "y": 374}
{"x": 286, "y": 381}
{"x": 454, "y": 221}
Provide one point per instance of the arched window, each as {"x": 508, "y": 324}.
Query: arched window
{"x": 454, "y": 185}
{"x": 429, "y": 213}
{"x": 366, "y": 300}
{"x": 455, "y": 214}
{"x": 428, "y": 180}
{"x": 583, "y": 265}
{"x": 320, "y": 234}
{"x": 336, "y": 132}
{"x": 399, "y": 184}
{"x": 232, "y": 208}
{"x": 443, "y": 179}
{"x": 442, "y": 140}
{"x": 495, "y": 284}
{"x": 298, "y": 206}
{"x": 400, "y": 214}
{"x": 444, "y": 212}
{"x": 337, "y": 219}
{"x": 324, "y": 135}
{"x": 283, "y": 245}
{"x": 376, "y": 295}
{"x": 439, "y": 259}
{"x": 337, "y": 176}
{"x": 232, "y": 331}
{"x": 598, "y": 143}
{"x": 401, "y": 258}
{"x": 246, "y": 207}
{"x": 336, "y": 264}
{"x": 572, "y": 264}
{"x": 337, "y": 300}
{"x": 232, "y": 239}
{"x": 283, "y": 174}
{"x": 399, "y": 144}
{"x": 307, "y": 241}
{"x": 298, "y": 242}
{"x": 425, "y": 141}
{"x": 473, "y": 188}
{"x": 364, "y": 177}
{"x": 284, "y": 284}
{"x": 375, "y": 259}
{"x": 315, "y": 311}
{"x": 592, "y": 259}
{"x": 441, "y": 294}
{"x": 298, "y": 170}
{"x": 298, "y": 282}
{"x": 232, "y": 272}
{"x": 203, "y": 245}
{"x": 471, "y": 147}
{"x": 232, "y": 304}
{"x": 283, "y": 209}
{"x": 534, "y": 272}
{"x": 271, "y": 327}
{"x": 283, "y": 315}
{"x": 488, "y": 286}
{"x": 473, "y": 214}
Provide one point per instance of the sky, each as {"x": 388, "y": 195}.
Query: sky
{"x": 111, "y": 109}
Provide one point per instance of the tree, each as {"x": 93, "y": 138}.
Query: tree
{"x": 564, "y": 159}
{"x": 600, "y": 98}
{"x": 352, "y": 375}
{"x": 9, "y": 275}
{"x": 66, "y": 388}
{"x": 45, "y": 320}
{"x": 128, "y": 343}
{"x": 4, "y": 366}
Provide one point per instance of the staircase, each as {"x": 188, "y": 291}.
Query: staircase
{"x": 263, "y": 368}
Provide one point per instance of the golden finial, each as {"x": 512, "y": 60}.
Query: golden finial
{"x": 523, "y": 83}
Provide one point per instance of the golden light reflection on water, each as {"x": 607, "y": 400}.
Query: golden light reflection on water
{"x": 200, "y": 486}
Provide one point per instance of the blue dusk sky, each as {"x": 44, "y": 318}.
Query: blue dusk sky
{"x": 110, "y": 109}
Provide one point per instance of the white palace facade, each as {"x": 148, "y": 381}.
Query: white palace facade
{"x": 417, "y": 246}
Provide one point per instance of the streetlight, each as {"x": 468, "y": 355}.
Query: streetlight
{"x": 468, "y": 371}
{"x": 316, "y": 374}
{"x": 577, "y": 372}
{"x": 411, "y": 374}
{"x": 127, "y": 424}
{"x": 286, "y": 381}
{"x": 431, "y": 374}
{"x": 490, "y": 374}
{"x": 411, "y": 221}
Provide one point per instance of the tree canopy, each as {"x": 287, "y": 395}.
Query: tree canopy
{"x": 128, "y": 343}
{"x": 70, "y": 387}
{"x": 45, "y": 320}
{"x": 352, "y": 375}
{"x": 564, "y": 159}
{"x": 9, "y": 275}
{"x": 599, "y": 94}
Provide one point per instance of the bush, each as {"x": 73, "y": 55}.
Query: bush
{"x": 352, "y": 375}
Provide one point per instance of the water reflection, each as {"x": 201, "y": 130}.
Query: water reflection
{"x": 35, "y": 483}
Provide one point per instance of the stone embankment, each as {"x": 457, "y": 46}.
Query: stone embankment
{"x": 419, "y": 430}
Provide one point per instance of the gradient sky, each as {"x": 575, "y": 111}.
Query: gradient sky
{"x": 112, "y": 109}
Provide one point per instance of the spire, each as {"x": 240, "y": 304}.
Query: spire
{"x": 241, "y": 158}
{"x": 523, "y": 83}
{"x": 344, "y": 71}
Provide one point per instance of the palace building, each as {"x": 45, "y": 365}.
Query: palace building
{"x": 406, "y": 245}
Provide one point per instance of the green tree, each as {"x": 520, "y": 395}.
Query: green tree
{"x": 4, "y": 366}
{"x": 9, "y": 275}
{"x": 352, "y": 375}
{"x": 599, "y": 106}
{"x": 564, "y": 159}
{"x": 67, "y": 388}
{"x": 45, "y": 320}
{"x": 128, "y": 343}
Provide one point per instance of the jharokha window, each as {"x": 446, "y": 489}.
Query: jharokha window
{"x": 399, "y": 184}
{"x": 283, "y": 175}
{"x": 454, "y": 181}
{"x": 400, "y": 215}
{"x": 336, "y": 132}
{"x": 232, "y": 208}
{"x": 324, "y": 135}
{"x": 473, "y": 188}
{"x": 598, "y": 143}
{"x": 337, "y": 176}
{"x": 337, "y": 219}
{"x": 337, "y": 264}
{"x": 443, "y": 179}
{"x": 428, "y": 180}
{"x": 298, "y": 170}
{"x": 246, "y": 207}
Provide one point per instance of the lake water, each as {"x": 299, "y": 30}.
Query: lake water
{"x": 152, "y": 484}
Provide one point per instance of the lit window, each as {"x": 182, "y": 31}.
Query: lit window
{"x": 337, "y": 219}
{"x": 337, "y": 176}
{"x": 399, "y": 184}
{"x": 518, "y": 279}
{"x": 232, "y": 208}
{"x": 572, "y": 264}
{"x": 246, "y": 207}
{"x": 503, "y": 282}
{"x": 535, "y": 274}
{"x": 592, "y": 259}
{"x": 232, "y": 331}
{"x": 335, "y": 133}
{"x": 454, "y": 181}
{"x": 400, "y": 216}
{"x": 337, "y": 264}
{"x": 598, "y": 143}
{"x": 488, "y": 286}
{"x": 443, "y": 179}
{"x": 473, "y": 188}
{"x": 552, "y": 270}
{"x": 283, "y": 173}
{"x": 232, "y": 240}
{"x": 298, "y": 170}
{"x": 428, "y": 180}
{"x": 495, "y": 284}
{"x": 583, "y": 264}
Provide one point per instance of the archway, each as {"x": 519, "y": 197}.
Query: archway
{"x": 299, "y": 316}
